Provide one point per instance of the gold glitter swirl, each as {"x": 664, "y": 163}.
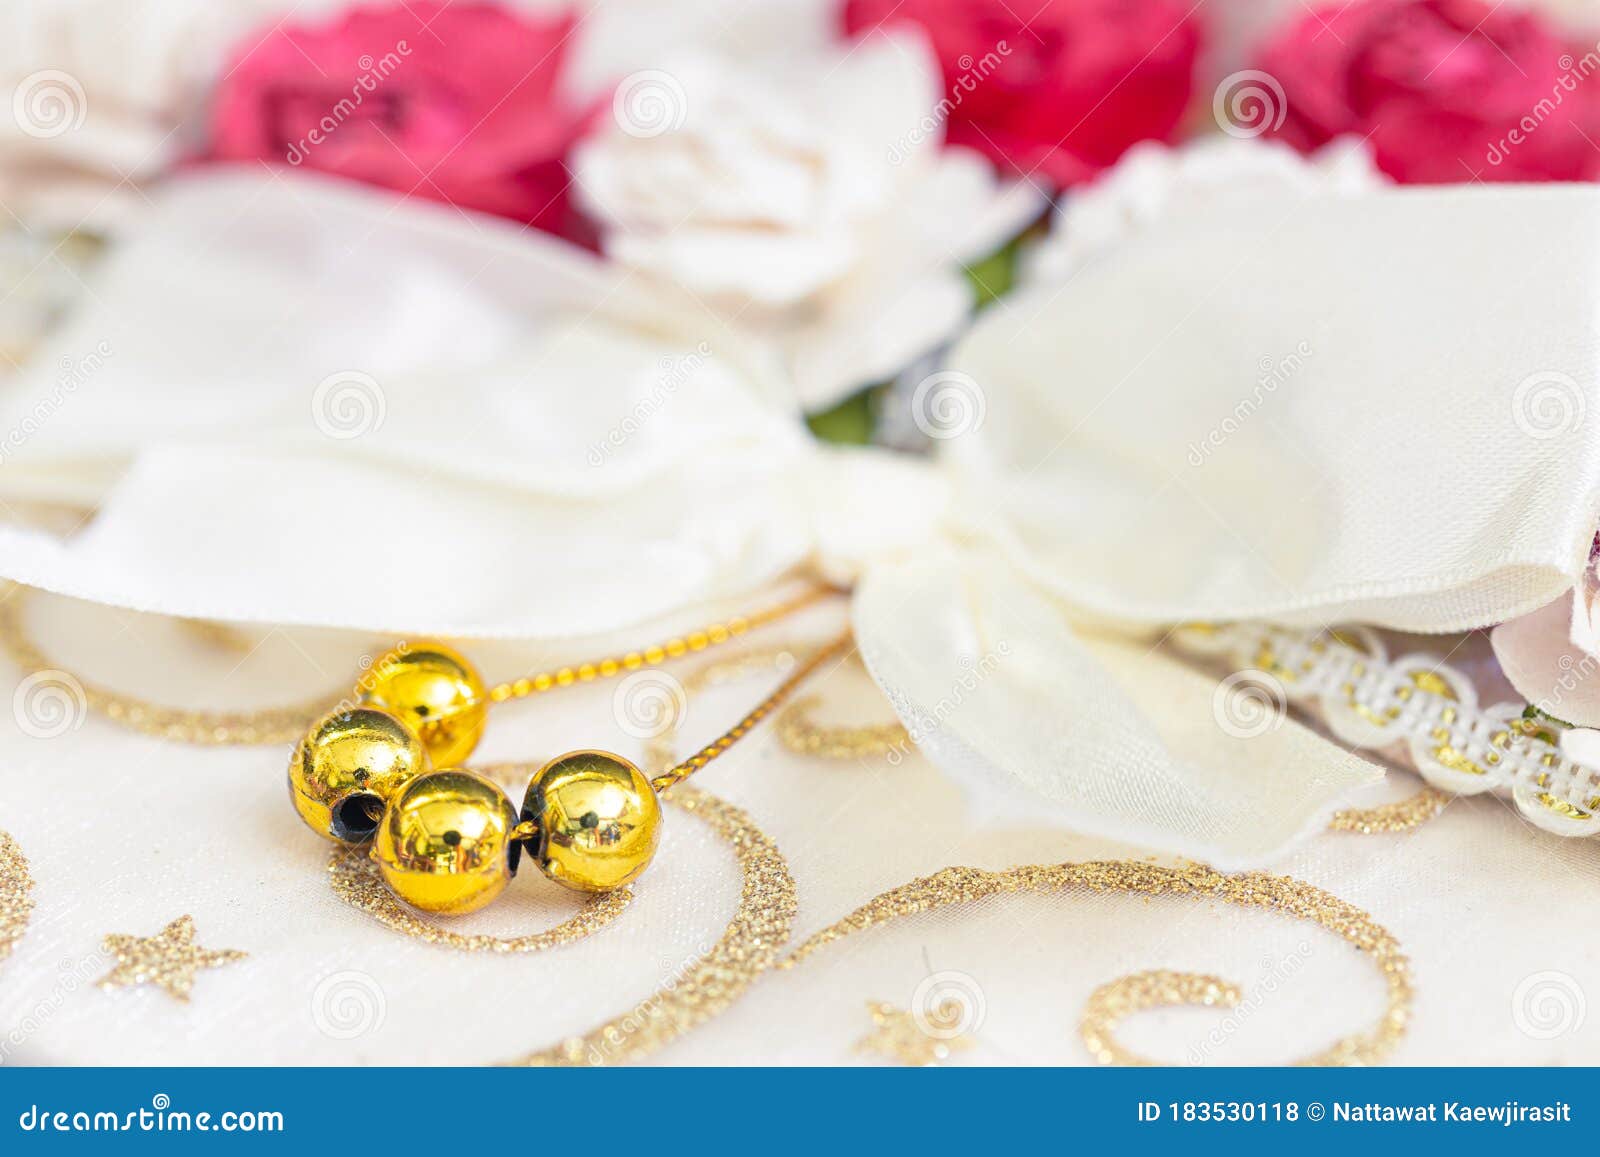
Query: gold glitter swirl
{"x": 356, "y": 881}
{"x": 749, "y": 945}
{"x": 212, "y": 728}
{"x": 761, "y": 924}
{"x": 1110, "y": 1003}
{"x": 801, "y": 733}
{"x": 1399, "y": 816}
{"x": 16, "y": 894}
{"x": 1193, "y": 881}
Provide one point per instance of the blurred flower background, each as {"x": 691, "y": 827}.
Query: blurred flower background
{"x": 846, "y": 179}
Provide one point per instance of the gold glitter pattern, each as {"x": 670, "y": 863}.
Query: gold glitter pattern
{"x": 266, "y": 725}
{"x": 1110, "y": 1003}
{"x": 169, "y": 959}
{"x": 801, "y": 733}
{"x": 357, "y": 882}
{"x": 16, "y": 894}
{"x": 1193, "y": 881}
{"x": 897, "y": 1035}
{"x": 1400, "y": 816}
{"x": 749, "y": 945}
{"x": 765, "y": 914}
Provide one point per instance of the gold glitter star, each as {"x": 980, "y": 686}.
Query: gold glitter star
{"x": 170, "y": 958}
{"x": 897, "y": 1035}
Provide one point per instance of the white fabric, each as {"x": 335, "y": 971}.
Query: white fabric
{"x": 309, "y": 403}
{"x": 1153, "y": 183}
{"x": 1336, "y": 408}
{"x": 995, "y": 687}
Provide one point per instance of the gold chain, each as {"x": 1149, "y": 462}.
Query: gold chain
{"x": 289, "y": 724}
{"x": 705, "y": 755}
{"x": 654, "y": 656}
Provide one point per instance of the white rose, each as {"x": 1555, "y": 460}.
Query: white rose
{"x": 100, "y": 97}
{"x": 811, "y": 203}
{"x": 1153, "y": 181}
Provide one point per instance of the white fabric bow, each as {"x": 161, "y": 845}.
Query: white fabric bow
{"x": 302, "y": 403}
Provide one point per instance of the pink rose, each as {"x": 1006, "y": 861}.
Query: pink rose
{"x": 455, "y": 103}
{"x": 1448, "y": 90}
{"x": 1063, "y": 90}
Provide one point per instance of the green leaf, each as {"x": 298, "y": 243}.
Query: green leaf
{"x": 850, "y": 422}
{"x": 994, "y": 276}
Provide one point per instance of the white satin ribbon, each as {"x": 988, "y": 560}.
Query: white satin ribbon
{"x": 1388, "y": 476}
{"x": 1378, "y": 408}
{"x": 1103, "y": 734}
{"x": 302, "y": 402}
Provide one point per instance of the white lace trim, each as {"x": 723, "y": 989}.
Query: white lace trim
{"x": 1415, "y": 708}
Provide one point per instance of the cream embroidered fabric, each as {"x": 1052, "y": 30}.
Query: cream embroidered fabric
{"x": 125, "y": 833}
{"x": 335, "y": 411}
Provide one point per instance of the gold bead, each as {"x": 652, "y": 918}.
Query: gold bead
{"x": 447, "y": 842}
{"x": 437, "y": 693}
{"x": 348, "y": 766}
{"x": 598, "y": 819}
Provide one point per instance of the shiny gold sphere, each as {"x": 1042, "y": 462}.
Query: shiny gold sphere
{"x": 447, "y": 843}
{"x": 349, "y": 765}
{"x": 436, "y": 692}
{"x": 598, "y": 818}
